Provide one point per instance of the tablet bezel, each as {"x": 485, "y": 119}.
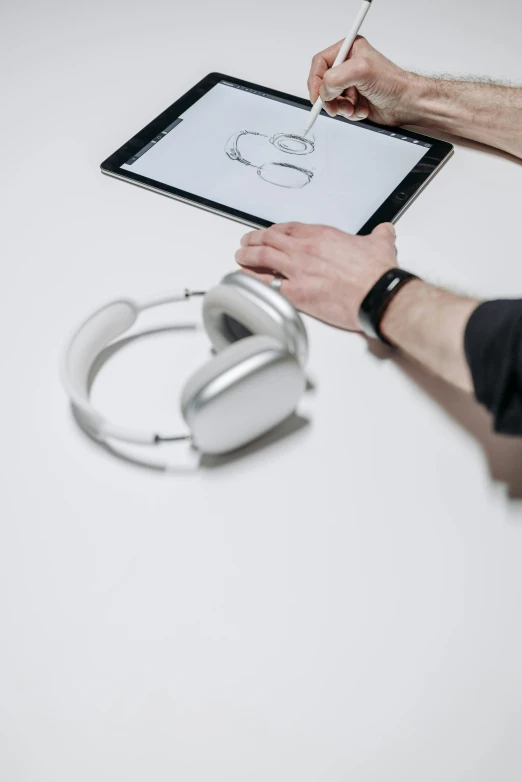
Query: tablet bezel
{"x": 390, "y": 211}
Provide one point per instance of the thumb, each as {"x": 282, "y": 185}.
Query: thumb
{"x": 350, "y": 73}
{"x": 385, "y": 231}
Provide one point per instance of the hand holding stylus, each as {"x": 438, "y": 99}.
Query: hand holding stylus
{"x": 366, "y": 86}
{"x": 341, "y": 57}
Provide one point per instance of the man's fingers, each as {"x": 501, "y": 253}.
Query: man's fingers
{"x": 331, "y": 107}
{"x": 315, "y": 79}
{"x": 356, "y": 109}
{"x": 329, "y": 93}
{"x": 320, "y": 64}
{"x": 294, "y": 230}
{"x": 352, "y": 95}
{"x": 314, "y": 85}
{"x": 266, "y": 277}
{"x": 360, "y": 48}
{"x": 270, "y": 237}
{"x": 283, "y": 238}
{"x": 351, "y": 73}
{"x": 323, "y": 62}
{"x": 262, "y": 257}
{"x": 329, "y": 54}
{"x": 386, "y": 230}
{"x": 346, "y": 107}
{"x": 362, "y": 110}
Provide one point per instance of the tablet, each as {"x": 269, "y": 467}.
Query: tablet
{"x": 238, "y": 149}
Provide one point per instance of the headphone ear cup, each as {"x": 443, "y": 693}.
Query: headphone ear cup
{"x": 256, "y": 309}
{"x": 246, "y": 390}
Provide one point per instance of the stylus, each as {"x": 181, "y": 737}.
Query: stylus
{"x": 341, "y": 57}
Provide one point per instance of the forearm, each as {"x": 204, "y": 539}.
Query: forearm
{"x": 488, "y": 113}
{"x": 428, "y": 325}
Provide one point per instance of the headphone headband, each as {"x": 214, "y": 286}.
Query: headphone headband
{"x": 96, "y": 333}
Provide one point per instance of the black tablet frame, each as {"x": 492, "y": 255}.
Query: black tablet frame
{"x": 389, "y": 211}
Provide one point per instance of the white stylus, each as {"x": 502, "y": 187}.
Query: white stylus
{"x": 341, "y": 57}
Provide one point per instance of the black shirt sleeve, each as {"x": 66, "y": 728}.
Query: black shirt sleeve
{"x": 493, "y": 345}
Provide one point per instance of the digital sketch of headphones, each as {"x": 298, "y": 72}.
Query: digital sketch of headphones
{"x": 280, "y": 174}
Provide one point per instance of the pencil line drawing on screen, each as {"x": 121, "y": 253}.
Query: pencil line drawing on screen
{"x": 294, "y": 145}
{"x": 281, "y": 174}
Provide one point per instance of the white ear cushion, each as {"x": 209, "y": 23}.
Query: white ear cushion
{"x": 259, "y": 308}
{"x": 247, "y": 389}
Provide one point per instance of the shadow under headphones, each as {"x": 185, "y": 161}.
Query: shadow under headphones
{"x": 252, "y": 384}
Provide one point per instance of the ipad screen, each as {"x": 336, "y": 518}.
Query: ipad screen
{"x": 245, "y": 149}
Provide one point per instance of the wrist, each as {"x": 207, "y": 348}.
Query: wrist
{"x": 439, "y": 106}
{"x": 488, "y": 113}
{"x": 417, "y": 301}
{"x": 379, "y": 298}
{"x": 396, "y": 313}
{"x": 428, "y": 324}
{"x": 420, "y": 101}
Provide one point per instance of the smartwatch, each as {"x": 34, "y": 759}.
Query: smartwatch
{"x": 376, "y": 302}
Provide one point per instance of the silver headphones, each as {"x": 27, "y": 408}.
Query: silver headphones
{"x": 253, "y": 383}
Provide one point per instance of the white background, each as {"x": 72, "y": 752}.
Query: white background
{"x": 354, "y": 170}
{"x": 343, "y": 603}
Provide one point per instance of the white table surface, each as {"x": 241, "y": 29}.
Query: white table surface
{"x": 343, "y": 603}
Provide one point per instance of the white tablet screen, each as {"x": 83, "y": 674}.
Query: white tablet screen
{"x": 244, "y": 149}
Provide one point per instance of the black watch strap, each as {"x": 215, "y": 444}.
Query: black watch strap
{"x": 376, "y": 302}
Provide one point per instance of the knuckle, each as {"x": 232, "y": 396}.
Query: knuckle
{"x": 362, "y": 68}
{"x": 309, "y": 245}
{"x": 322, "y": 234}
{"x": 329, "y": 81}
{"x": 312, "y": 242}
{"x": 293, "y": 229}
